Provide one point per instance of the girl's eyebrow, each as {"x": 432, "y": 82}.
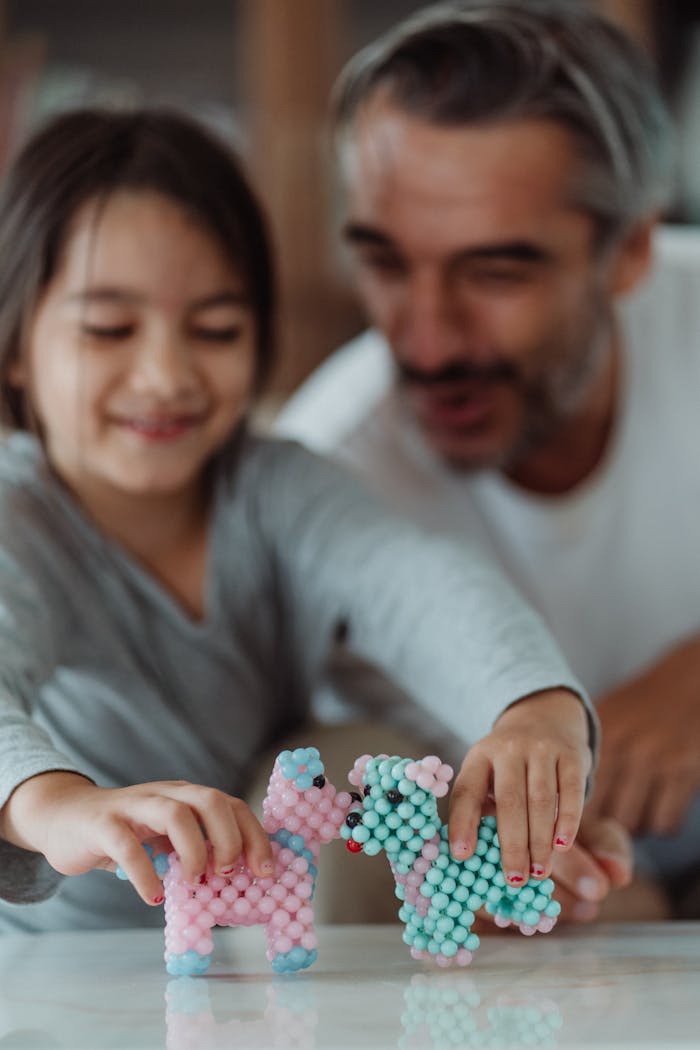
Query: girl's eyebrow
{"x": 227, "y": 297}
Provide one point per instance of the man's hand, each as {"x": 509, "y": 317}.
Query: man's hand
{"x": 600, "y": 861}
{"x": 649, "y": 766}
{"x": 534, "y": 766}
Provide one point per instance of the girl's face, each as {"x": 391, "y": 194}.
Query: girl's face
{"x": 141, "y": 354}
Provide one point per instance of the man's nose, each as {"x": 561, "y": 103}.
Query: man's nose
{"x": 163, "y": 368}
{"x": 432, "y": 329}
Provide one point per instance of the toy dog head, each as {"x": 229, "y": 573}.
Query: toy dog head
{"x": 302, "y": 800}
{"x": 398, "y": 810}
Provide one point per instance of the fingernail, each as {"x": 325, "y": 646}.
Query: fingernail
{"x": 267, "y": 867}
{"x": 459, "y": 849}
{"x": 584, "y": 911}
{"x": 537, "y": 870}
{"x": 228, "y": 871}
{"x": 561, "y": 840}
{"x": 515, "y": 877}
{"x": 588, "y": 887}
{"x": 159, "y": 899}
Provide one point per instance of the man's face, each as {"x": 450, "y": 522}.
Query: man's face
{"x": 483, "y": 276}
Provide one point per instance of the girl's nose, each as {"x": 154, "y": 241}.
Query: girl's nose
{"x": 163, "y": 369}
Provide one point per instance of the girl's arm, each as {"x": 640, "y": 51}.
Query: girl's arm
{"x": 445, "y": 624}
{"x": 50, "y": 812}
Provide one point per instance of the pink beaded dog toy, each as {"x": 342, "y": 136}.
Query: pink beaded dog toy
{"x": 440, "y": 895}
{"x": 301, "y": 811}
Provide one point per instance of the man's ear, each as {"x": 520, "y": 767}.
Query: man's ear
{"x": 632, "y": 257}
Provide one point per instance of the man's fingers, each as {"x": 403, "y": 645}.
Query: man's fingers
{"x": 467, "y": 799}
{"x": 573, "y": 909}
{"x": 578, "y": 873}
{"x": 668, "y": 804}
{"x": 630, "y": 799}
{"x": 611, "y": 847}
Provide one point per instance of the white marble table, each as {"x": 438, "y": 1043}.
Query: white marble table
{"x": 632, "y": 986}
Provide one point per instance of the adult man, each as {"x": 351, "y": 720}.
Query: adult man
{"x": 505, "y": 165}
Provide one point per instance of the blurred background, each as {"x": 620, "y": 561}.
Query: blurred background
{"x": 260, "y": 72}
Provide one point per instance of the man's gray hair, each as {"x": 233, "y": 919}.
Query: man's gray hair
{"x": 484, "y": 61}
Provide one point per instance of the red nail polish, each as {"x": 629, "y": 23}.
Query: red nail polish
{"x": 537, "y": 870}
{"x": 515, "y": 877}
{"x": 561, "y": 840}
{"x": 228, "y": 871}
{"x": 159, "y": 899}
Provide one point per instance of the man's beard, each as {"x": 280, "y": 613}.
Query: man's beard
{"x": 549, "y": 399}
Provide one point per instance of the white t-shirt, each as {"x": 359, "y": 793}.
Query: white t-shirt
{"x": 614, "y": 566}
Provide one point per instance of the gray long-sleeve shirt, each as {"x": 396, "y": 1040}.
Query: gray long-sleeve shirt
{"x": 103, "y": 673}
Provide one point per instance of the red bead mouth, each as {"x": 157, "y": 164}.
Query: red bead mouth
{"x": 354, "y": 847}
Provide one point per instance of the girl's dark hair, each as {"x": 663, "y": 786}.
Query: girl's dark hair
{"x": 89, "y": 154}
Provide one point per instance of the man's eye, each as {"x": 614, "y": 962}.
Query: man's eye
{"x": 503, "y": 278}
{"x": 219, "y": 335}
{"x": 106, "y": 332}
{"x": 388, "y": 265}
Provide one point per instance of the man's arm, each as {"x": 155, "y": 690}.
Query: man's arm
{"x": 650, "y": 754}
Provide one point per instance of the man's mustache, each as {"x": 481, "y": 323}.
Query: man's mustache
{"x": 459, "y": 372}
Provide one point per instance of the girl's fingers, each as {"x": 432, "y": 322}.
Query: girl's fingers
{"x": 215, "y": 813}
{"x": 172, "y": 814}
{"x": 510, "y": 790}
{"x": 230, "y": 827}
{"x": 467, "y": 799}
{"x": 572, "y": 790}
{"x": 127, "y": 852}
{"x": 541, "y": 812}
{"x": 256, "y": 843}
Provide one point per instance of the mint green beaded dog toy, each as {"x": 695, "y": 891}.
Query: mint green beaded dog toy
{"x": 440, "y": 895}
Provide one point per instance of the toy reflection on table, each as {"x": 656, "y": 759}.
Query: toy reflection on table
{"x": 288, "y": 1018}
{"x": 398, "y": 813}
{"x": 301, "y": 812}
{"x": 447, "y": 1010}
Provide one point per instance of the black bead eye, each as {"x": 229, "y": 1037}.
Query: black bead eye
{"x": 319, "y": 781}
{"x": 367, "y": 790}
{"x": 356, "y": 796}
{"x": 394, "y": 797}
{"x": 353, "y": 819}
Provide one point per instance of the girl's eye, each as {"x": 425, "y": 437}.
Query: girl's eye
{"x": 106, "y": 332}
{"x": 219, "y": 335}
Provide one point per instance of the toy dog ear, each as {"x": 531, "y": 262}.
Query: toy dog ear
{"x": 431, "y": 774}
{"x": 356, "y": 774}
{"x": 358, "y": 770}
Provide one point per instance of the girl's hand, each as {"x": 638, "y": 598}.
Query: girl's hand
{"x": 534, "y": 766}
{"x": 78, "y": 826}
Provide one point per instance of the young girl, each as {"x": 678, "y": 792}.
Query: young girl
{"x": 170, "y": 584}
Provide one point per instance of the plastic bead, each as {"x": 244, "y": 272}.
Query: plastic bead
{"x": 440, "y": 895}
{"x": 297, "y": 792}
